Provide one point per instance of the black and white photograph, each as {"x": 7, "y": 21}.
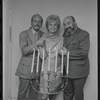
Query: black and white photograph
{"x": 50, "y": 50}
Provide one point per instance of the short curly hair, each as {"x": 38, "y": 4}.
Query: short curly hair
{"x": 53, "y": 18}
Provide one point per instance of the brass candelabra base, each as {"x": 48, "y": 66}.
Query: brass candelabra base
{"x": 62, "y": 85}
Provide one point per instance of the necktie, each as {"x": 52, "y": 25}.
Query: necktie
{"x": 36, "y": 36}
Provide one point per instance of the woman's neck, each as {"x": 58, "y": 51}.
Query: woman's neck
{"x": 53, "y": 34}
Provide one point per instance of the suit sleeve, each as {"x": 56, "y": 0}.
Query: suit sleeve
{"x": 25, "y": 48}
{"x": 82, "y": 51}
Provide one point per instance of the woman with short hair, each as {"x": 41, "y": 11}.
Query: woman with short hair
{"x": 51, "y": 41}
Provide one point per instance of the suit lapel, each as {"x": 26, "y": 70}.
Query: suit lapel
{"x": 40, "y": 34}
{"x": 30, "y": 36}
{"x": 71, "y": 39}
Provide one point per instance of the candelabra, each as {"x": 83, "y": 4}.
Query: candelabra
{"x": 62, "y": 84}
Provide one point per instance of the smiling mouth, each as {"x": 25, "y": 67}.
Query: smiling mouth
{"x": 53, "y": 29}
{"x": 36, "y": 26}
{"x": 69, "y": 28}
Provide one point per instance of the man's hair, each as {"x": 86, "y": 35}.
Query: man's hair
{"x": 53, "y": 18}
{"x": 37, "y": 15}
{"x": 73, "y": 19}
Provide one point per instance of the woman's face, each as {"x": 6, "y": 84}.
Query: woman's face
{"x": 52, "y": 27}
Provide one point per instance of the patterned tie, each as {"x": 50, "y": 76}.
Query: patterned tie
{"x": 36, "y": 36}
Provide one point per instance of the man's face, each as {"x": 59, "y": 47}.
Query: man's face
{"x": 69, "y": 25}
{"x": 36, "y": 23}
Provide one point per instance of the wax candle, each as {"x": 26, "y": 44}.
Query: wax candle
{"x": 62, "y": 62}
{"x": 56, "y": 60}
{"x": 48, "y": 99}
{"x": 43, "y": 60}
{"x": 49, "y": 61}
{"x": 67, "y": 62}
{"x": 38, "y": 61}
{"x": 33, "y": 61}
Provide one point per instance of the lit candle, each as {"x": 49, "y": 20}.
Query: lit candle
{"x": 56, "y": 60}
{"x": 38, "y": 61}
{"x": 62, "y": 62}
{"x": 49, "y": 61}
{"x": 33, "y": 61}
{"x": 67, "y": 62}
{"x": 43, "y": 60}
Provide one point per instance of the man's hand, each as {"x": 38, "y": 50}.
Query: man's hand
{"x": 64, "y": 51}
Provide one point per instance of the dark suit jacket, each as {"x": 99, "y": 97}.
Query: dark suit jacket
{"x": 27, "y": 42}
{"x": 78, "y": 47}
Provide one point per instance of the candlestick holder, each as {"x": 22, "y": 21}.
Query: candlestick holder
{"x": 61, "y": 85}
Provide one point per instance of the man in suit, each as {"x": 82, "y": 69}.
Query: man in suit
{"x": 77, "y": 42}
{"x": 27, "y": 41}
